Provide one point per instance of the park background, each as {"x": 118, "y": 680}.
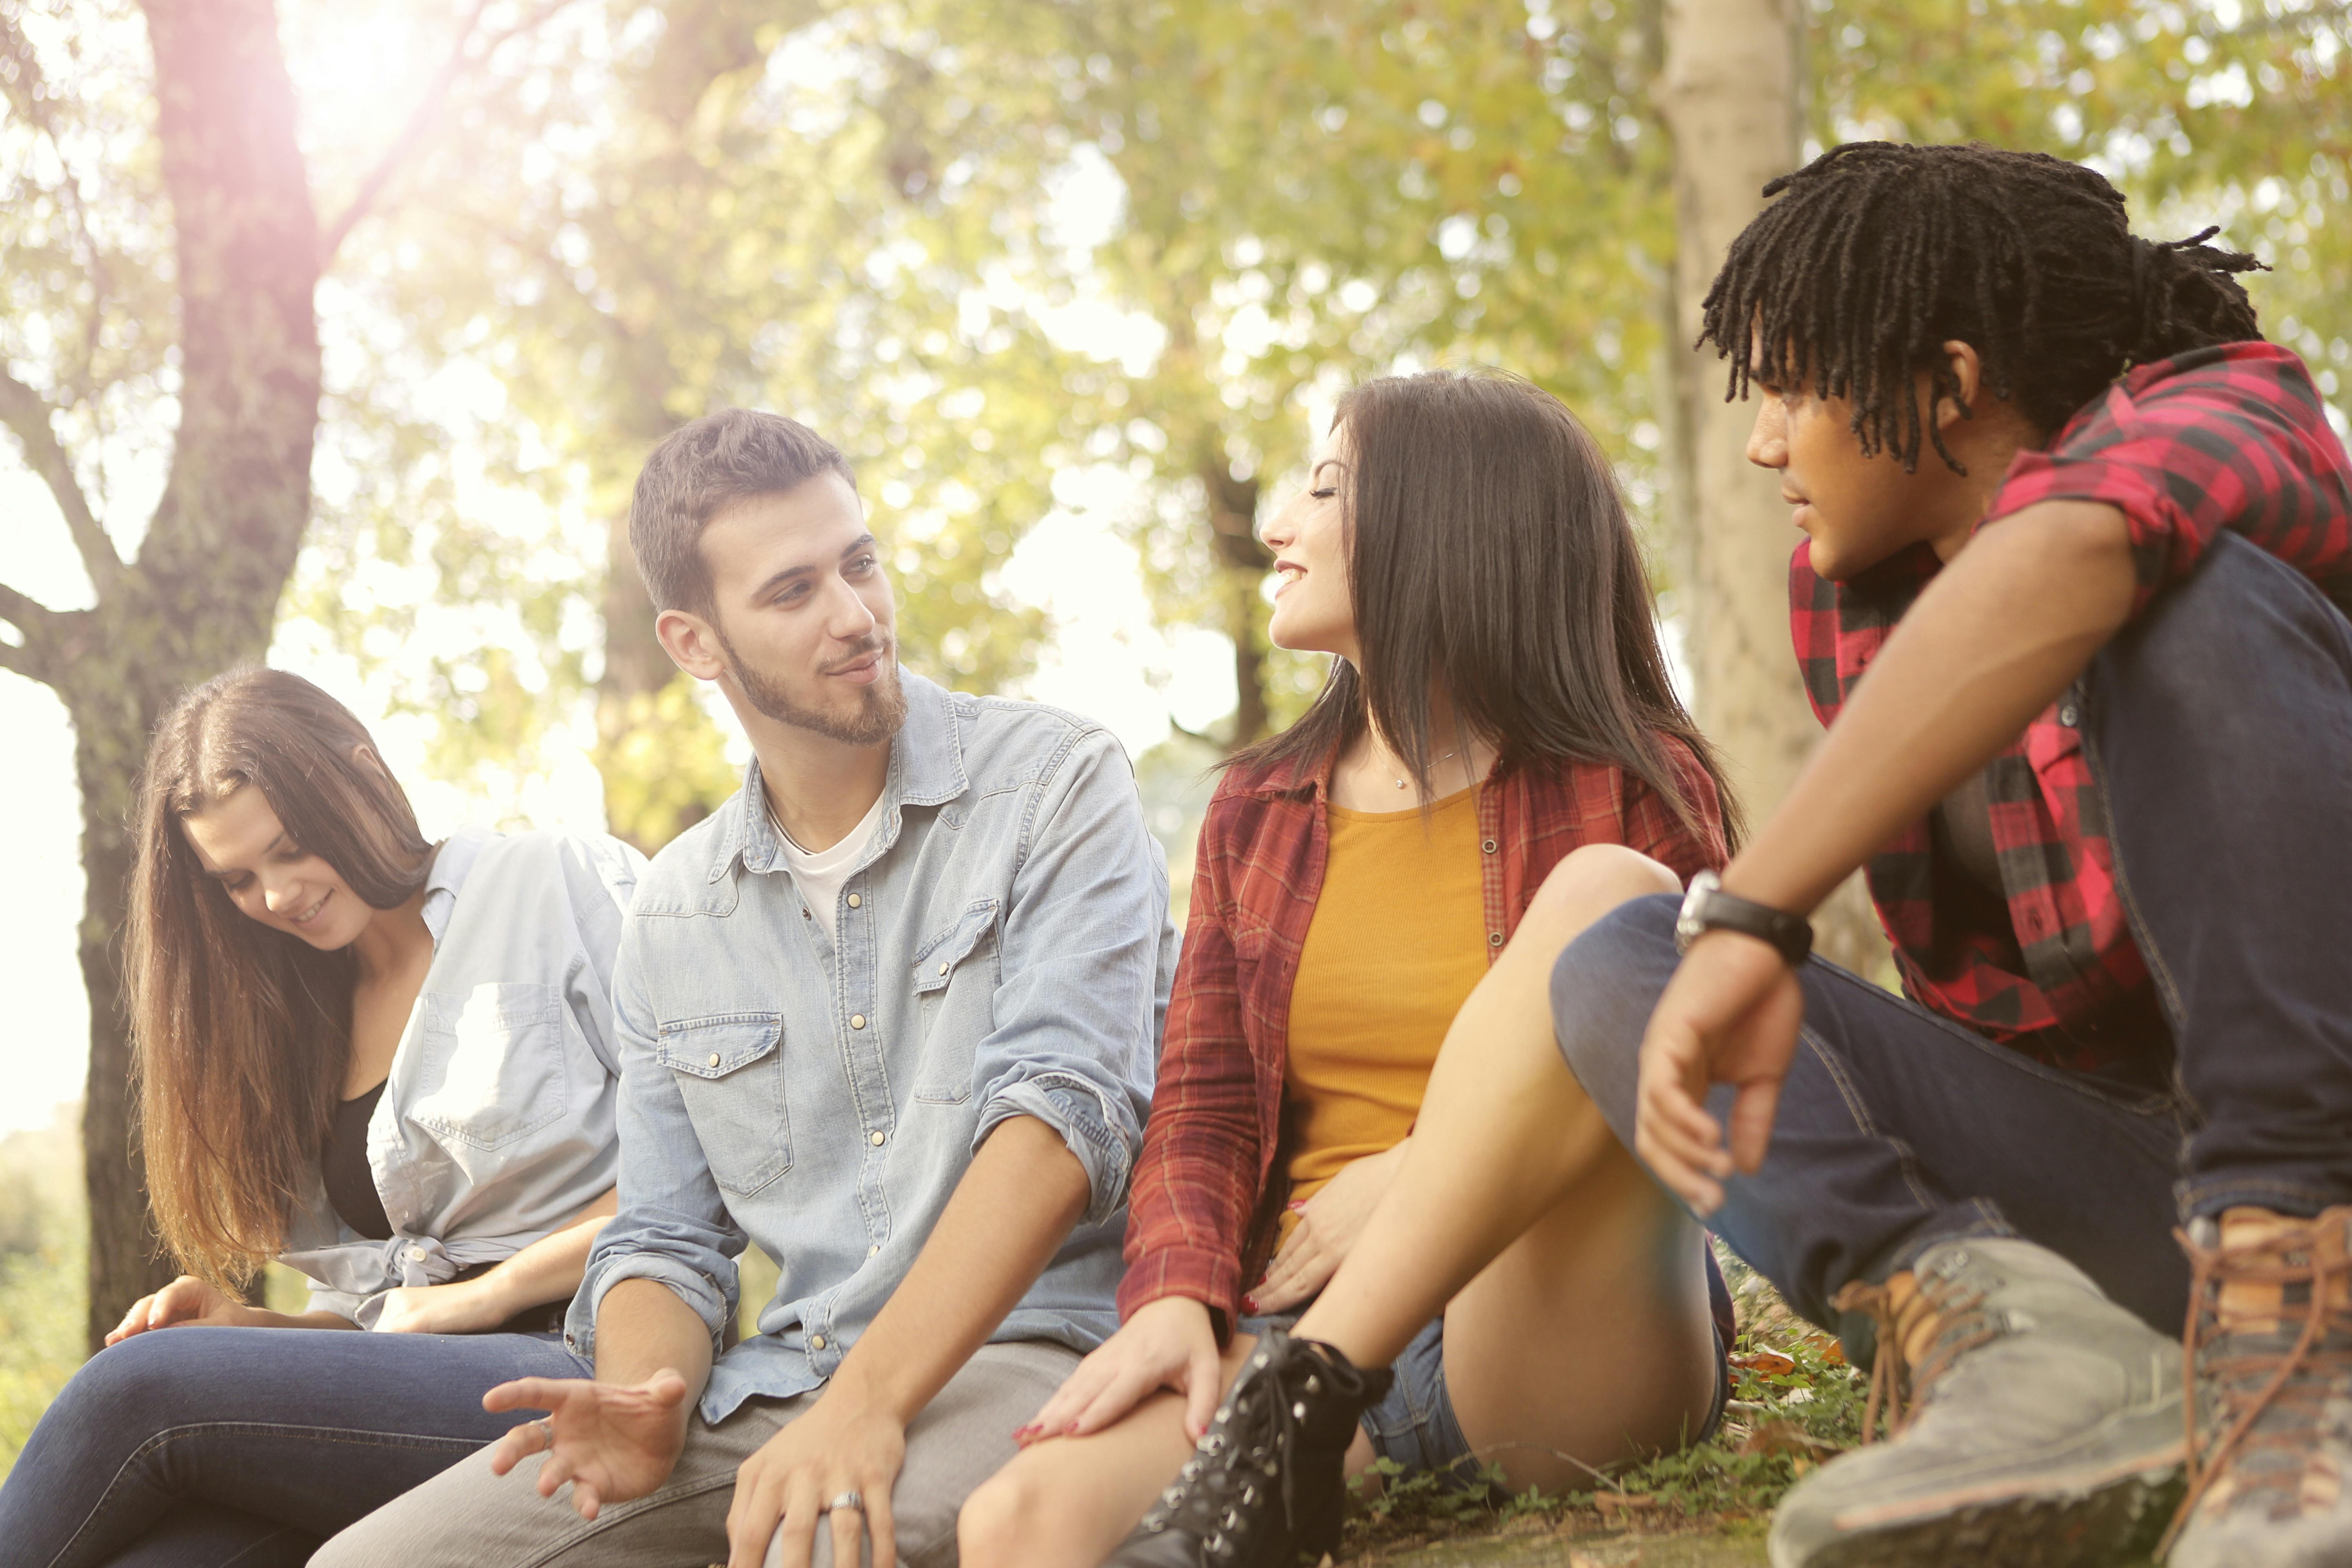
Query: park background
{"x": 333, "y": 332}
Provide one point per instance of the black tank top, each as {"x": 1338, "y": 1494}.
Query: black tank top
{"x": 343, "y": 1164}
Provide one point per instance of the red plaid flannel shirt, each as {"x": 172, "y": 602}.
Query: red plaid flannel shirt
{"x": 1206, "y": 1190}
{"x": 2230, "y": 438}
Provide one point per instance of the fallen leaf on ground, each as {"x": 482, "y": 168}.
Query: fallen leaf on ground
{"x": 1770, "y": 1362}
{"x": 1785, "y": 1438}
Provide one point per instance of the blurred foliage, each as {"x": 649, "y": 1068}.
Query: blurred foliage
{"x": 666, "y": 765}
{"x": 988, "y": 245}
{"x": 43, "y": 1283}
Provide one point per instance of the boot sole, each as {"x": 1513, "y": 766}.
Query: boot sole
{"x": 2087, "y": 1528}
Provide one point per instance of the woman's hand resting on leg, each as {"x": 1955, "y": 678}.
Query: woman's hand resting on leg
{"x": 186, "y": 1299}
{"x": 1329, "y": 1225}
{"x": 1169, "y": 1343}
{"x": 460, "y": 1307}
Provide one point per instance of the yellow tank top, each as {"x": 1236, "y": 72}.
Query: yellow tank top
{"x": 1396, "y": 944}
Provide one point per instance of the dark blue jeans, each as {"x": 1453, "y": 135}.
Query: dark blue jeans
{"x": 197, "y": 1447}
{"x": 2219, "y": 726}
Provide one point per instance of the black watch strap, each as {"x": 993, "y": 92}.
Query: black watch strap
{"x": 1706, "y": 907}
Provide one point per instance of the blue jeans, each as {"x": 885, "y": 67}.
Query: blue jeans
{"x": 2219, "y": 726}
{"x": 197, "y": 1447}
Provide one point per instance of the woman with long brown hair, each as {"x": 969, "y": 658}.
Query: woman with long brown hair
{"x": 386, "y": 1063}
{"x": 1496, "y": 758}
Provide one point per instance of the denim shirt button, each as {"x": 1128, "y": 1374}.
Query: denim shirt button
{"x": 816, "y": 1342}
{"x": 854, "y": 901}
{"x": 858, "y": 1020}
{"x": 875, "y": 1140}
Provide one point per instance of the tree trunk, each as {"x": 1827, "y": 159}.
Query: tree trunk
{"x": 1242, "y": 563}
{"x": 205, "y": 590}
{"x": 1732, "y": 100}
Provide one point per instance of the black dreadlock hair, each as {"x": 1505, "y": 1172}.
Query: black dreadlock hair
{"x": 1877, "y": 253}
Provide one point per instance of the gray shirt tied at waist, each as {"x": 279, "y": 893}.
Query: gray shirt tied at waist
{"x": 496, "y": 1124}
{"x": 1004, "y": 949}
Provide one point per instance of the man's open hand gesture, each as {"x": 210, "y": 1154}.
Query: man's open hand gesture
{"x": 612, "y": 1441}
{"x": 1729, "y": 1016}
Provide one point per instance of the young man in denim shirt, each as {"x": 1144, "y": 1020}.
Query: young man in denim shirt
{"x": 892, "y": 1014}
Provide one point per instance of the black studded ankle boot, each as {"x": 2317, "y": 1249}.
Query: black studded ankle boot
{"x": 1264, "y": 1485}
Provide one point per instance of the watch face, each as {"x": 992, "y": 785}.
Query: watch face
{"x": 1689, "y": 925}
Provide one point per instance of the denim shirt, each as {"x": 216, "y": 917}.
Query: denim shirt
{"x": 1004, "y": 950}
{"x": 496, "y": 1124}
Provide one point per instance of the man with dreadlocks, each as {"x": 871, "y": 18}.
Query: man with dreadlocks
{"x": 2091, "y": 539}
{"x": 2097, "y": 775}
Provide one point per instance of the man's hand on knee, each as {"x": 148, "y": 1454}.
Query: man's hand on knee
{"x": 611, "y": 1441}
{"x": 833, "y": 1468}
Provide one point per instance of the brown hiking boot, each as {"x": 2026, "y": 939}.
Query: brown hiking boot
{"x": 2270, "y": 1409}
{"x": 2043, "y": 1427}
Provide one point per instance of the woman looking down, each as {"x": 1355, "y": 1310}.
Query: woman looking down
{"x": 1497, "y": 759}
{"x": 385, "y": 1063}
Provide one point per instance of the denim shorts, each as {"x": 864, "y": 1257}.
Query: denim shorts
{"x": 1414, "y": 1424}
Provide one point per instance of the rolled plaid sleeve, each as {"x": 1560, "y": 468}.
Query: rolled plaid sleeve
{"x": 2228, "y": 438}
{"x": 1195, "y": 1187}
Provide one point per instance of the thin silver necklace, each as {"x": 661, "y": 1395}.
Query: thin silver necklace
{"x": 1446, "y": 758}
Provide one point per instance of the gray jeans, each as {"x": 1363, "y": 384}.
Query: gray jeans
{"x": 467, "y": 1517}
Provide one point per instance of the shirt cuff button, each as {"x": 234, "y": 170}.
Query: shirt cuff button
{"x": 816, "y": 1342}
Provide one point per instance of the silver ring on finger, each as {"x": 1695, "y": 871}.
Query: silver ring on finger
{"x": 851, "y": 1500}
{"x": 546, "y": 1431}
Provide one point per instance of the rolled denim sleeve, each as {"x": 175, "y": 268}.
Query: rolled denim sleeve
{"x": 672, "y": 1225}
{"x": 1083, "y": 988}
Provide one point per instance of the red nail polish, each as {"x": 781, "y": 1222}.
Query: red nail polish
{"x": 1249, "y": 1303}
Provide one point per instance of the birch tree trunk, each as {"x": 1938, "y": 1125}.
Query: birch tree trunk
{"x": 1733, "y": 101}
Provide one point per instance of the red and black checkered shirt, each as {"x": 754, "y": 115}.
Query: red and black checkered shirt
{"x": 2231, "y": 437}
{"x": 1200, "y": 1210}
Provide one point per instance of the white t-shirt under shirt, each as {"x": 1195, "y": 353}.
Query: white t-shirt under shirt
{"x": 821, "y": 875}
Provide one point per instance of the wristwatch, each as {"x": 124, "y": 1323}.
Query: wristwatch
{"x": 1706, "y": 907}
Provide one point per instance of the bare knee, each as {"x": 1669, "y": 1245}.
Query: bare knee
{"x": 1587, "y": 883}
{"x": 1006, "y": 1523}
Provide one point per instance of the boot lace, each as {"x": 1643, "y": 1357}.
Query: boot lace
{"x": 1961, "y": 1322}
{"x": 2249, "y": 1374}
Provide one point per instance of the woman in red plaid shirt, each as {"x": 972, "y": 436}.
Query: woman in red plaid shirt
{"x": 1497, "y": 759}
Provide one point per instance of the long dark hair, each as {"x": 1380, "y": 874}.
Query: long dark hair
{"x": 241, "y": 1034}
{"x": 1487, "y": 546}
{"x": 1876, "y": 253}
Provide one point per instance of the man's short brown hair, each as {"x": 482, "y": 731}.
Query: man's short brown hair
{"x": 698, "y": 471}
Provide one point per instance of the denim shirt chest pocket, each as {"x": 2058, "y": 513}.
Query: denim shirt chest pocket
{"x": 731, "y": 1072}
{"x": 492, "y": 1067}
{"x": 955, "y": 992}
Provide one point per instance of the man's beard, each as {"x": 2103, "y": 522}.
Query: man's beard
{"x": 881, "y": 709}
